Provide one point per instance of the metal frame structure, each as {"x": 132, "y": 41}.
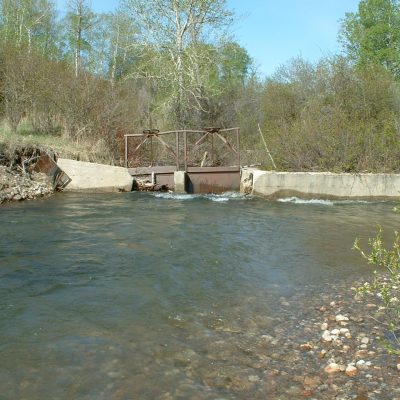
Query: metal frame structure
{"x": 151, "y": 135}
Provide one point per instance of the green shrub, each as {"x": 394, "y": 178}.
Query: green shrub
{"x": 385, "y": 285}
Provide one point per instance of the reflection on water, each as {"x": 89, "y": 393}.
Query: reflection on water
{"x": 135, "y": 295}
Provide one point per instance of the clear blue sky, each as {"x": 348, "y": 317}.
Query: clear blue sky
{"x": 273, "y": 31}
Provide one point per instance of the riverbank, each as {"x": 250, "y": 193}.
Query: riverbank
{"x": 332, "y": 350}
{"x": 20, "y": 151}
{"x": 15, "y": 186}
{"x": 18, "y": 179}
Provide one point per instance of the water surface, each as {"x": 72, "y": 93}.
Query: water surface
{"x": 126, "y": 296}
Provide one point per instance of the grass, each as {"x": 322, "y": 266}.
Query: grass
{"x": 62, "y": 147}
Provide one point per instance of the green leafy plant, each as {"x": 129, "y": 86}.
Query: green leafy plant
{"x": 385, "y": 285}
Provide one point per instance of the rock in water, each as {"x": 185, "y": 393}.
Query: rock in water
{"x": 326, "y": 336}
{"x": 351, "y": 370}
{"x": 340, "y": 318}
{"x": 332, "y": 368}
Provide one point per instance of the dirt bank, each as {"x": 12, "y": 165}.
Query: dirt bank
{"x": 16, "y": 186}
{"x": 18, "y": 181}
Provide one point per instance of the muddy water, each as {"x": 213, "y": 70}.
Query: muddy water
{"x": 144, "y": 296}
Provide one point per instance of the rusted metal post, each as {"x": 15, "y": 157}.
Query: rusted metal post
{"x": 212, "y": 149}
{"x": 126, "y": 151}
{"x": 186, "y": 152}
{"x": 177, "y": 150}
{"x": 151, "y": 151}
{"x": 238, "y": 145}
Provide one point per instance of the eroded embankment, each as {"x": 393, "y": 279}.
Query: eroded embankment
{"x": 18, "y": 181}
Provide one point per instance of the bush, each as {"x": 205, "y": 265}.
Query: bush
{"x": 385, "y": 286}
{"x": 332, "y": 117}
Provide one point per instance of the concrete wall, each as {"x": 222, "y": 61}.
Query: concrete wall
{"x": 180, "y": 182}
{"x": 320, "y": 184}
{"x": 93, "y": 177}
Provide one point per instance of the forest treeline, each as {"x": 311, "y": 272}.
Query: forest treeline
{"x": 89, "y": 78}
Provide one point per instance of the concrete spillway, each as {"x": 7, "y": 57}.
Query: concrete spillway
{"x": 320, "y": 184}
{"x": 86, "y": 176}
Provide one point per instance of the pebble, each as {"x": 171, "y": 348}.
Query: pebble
{"x": 306, "y": 347}
{"x": 337, "y": 342}
{"x": 364, "y": 340}
{"x": 324, "y": 326}
{"x": 361, "y": 364}
{"x": 332, "y": 368}
{"x": 340, "y": 318}
{"x": 327, "y": 336}
{"x": 254, "y": 378}
{"x": 322, "y": 353}
{"x": 312, "y": 382}
{"x": 351, "y": 370}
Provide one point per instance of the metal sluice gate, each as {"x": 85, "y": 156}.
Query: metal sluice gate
{"x": 210, "y": 157}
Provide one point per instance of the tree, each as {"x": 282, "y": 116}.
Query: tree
{"x": 176, "y": 31}
{"x": 30, "y": 24}
{"x": 113, "y": 49}
{"x": 234, "y": 64}
{"x": 230, "y": 78}
{"x": 123, "y": 45}
{"x": 372, "y": 35}
{"x": 79, "y": 22}
{"x": 332, "y": 116}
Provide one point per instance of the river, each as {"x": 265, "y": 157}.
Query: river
{"x": 145, "y": 296}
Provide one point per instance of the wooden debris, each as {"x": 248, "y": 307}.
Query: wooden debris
{"x": 145, "y": 185}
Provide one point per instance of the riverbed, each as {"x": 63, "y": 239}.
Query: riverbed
{"x": 147, "y": 296}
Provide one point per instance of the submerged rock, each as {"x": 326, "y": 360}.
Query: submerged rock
{"x": 332, "y": 368}
{"x": 351, "y": 370}
{"x": 326, "y": 336}
{"x": 341, "y": 318}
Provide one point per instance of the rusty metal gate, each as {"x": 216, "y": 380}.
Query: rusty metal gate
{"x": 210, "y": 157}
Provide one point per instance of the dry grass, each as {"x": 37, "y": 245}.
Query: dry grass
{"x": 63, "y": 148}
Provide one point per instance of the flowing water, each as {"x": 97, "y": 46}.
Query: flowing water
{"x": 145, "y": 296}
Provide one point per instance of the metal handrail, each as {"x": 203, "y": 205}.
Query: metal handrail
{"x": 150, "y": 133}
{"x": 178, "y": 131}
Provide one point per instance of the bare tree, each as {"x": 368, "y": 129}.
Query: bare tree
{"x": 79, "y": 20}
{"x": 29, "y": 24}
{"x": 177, "y": 32}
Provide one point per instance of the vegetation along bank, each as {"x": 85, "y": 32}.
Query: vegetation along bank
{"x": 81, "y": 80}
